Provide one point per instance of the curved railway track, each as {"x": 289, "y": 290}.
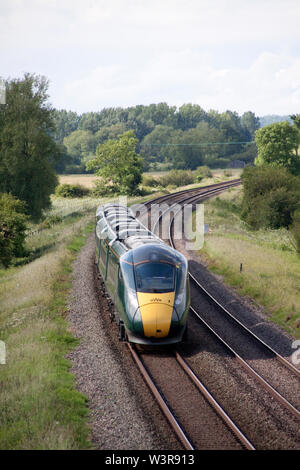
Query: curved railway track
{"x": 241, "y": 327}
{"x": 193, "y": 196}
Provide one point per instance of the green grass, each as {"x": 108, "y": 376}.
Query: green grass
{"x": 270, "y": 265}
{"x": 40, "y": 406}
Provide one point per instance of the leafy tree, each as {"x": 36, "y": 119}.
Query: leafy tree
{"x": 250, "y": 124}
{"x": 28, "y": 153}
{"x": 12, "y": 228}
{"x": 296, "y": 120}
{"x": 65, "y": 123}
{"x": 189, "y": 115}
{"x": 118, "y": 164}
{"x": 80, "y": 144}
{"x": 154, "y": 146}
{"x": 271, "y": 196}
{"x": 277, "y": 146}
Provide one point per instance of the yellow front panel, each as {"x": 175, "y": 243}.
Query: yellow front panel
{"x": 156, "y": 312}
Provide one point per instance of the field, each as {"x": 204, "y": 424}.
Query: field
{"x": 84, "y": 180}
{"x": 88, "y": 180}
{"x": 40, "y": 406}
{"x": 270, "y": 266}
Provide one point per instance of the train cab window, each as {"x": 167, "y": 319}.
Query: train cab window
{"x": 155, "y": 277}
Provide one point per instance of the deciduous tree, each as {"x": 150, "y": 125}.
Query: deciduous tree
{"x": 118, "y": 164}
{"x": 27, "y": 151}
{"x": 277, "y": 146}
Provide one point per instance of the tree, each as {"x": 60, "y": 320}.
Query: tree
{"x": 189, "y": 115}
{"x": 12, "y": 228}
{"x": 277, "y": 146}
{"x": 270, "y": 198}
{"x": 28, "y": 153}
{"x": 118, "y": 164}
{"x": 250, "y": 124}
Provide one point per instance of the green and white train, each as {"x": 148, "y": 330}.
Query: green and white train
{"x": 146, "y": 279}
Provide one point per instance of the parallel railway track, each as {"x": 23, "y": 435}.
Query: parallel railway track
{"x": 262, "y": 344}
{"x": 193, "y": 438}
{"x": 193, "y": 196}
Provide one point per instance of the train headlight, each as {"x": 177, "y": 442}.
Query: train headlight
{"x": 180, "y": 298}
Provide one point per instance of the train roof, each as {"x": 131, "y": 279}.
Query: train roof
{"x": 119, "y": 223}
{"x": 155, "y": 252}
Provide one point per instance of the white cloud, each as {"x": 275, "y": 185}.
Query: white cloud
{"x": 223, "y": 54}
{"x": 269, "y": 85}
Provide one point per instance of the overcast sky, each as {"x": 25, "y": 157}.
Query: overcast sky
{"x": 221, "y": 54}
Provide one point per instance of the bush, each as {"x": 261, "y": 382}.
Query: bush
{"x": 102, "y": 190}
{"x": 49, "y": 221}
{"x": 71, "y": 190}
{"x": 202, "y": 172}
{"x": 271, "y": 196}
{"x": 12, "y": 228}
{"x": 177, "y": 178}
{"x": 150, "y": 181}
{"x": 295, "y": 230}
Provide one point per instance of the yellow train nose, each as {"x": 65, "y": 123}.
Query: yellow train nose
{"x": 156, "y": 312}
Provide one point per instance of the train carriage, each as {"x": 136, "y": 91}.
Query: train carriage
{"x": 146, "y": 279}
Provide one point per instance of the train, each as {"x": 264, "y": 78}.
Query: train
{"x": 147, "y": 280}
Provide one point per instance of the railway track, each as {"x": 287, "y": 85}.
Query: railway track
{"x": 184, "y": 416}
{"x": 193, "y": 196}
{"x": 240, "y": 327}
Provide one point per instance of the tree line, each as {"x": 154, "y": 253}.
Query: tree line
{"x": 37, "y": 141}
{"x": 183, "y": 138}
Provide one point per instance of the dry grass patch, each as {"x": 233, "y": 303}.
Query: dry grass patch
{"x": 84, "y": 180}
{"x": 270, "y": 267}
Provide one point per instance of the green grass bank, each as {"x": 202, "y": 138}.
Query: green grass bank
{"x": 270, "y": 265}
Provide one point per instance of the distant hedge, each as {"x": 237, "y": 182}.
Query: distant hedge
{"x": 71, "y": 190}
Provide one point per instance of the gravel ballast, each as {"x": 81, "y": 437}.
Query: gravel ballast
{"x": 123, "y": 414}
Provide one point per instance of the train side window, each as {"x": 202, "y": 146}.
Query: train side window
{"x": 103, "y": 252}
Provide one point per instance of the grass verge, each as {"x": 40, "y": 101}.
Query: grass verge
{"x": 40, "y": 406}
{"x": 270, "y": 266}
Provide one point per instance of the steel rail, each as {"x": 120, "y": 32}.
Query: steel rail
{"x": 166, "y": 410}
{"x": 249, "y": 369}
{"x": 196, "y": 197}
{"x": 229, "y": 314}
{"x": 224, "y": 416}
{"x": 265, "y": 384}
{"x": 244, "y": 327}
{"x": 187, "y": 191}
{"x": 217, "y": 407}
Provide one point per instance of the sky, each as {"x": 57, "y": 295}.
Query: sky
{"x": 238, "y": 55}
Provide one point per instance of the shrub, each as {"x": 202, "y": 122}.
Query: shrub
{"x": 150, "y": 181}
{"x": 102, "y": 190}
{"x": 12, "y": 228}
{"x": 295, "y": 230}
{"x": 49, "y": 221}
{"x": 202, "y": 172}
{"x": 177, "y": 178}
{"x": 271, "y": 196}
{"x": 71, "y": 190}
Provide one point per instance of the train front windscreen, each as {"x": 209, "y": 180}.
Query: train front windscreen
{"x": 155, "y": 277}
